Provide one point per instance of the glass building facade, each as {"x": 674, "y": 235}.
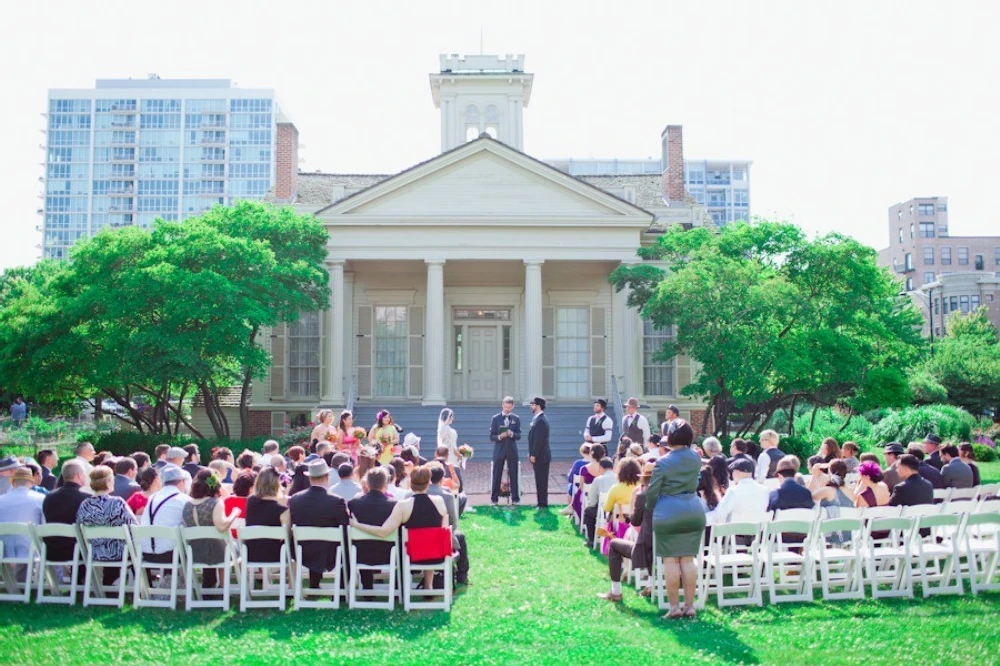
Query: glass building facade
{"x": 130, "y": 151}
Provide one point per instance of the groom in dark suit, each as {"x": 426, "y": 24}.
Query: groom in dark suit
{"x": 505, "y": 430}
{"x": 539, "y": 453}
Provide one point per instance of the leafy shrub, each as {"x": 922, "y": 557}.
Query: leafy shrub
{"x": 914, "y": 423}
{"x": 127, "y": 442}
{"x": 984, "y": 453}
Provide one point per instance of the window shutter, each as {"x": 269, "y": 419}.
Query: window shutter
{"x": 548, "y": 350}
{"x": 598, "y": 351}
{"x": 279, "y": 337}
{"x": 278, "y": 425}
{"x": 415, "y": 358}
{"x": 363, "y": 340}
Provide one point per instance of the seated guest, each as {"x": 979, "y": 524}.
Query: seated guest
{"x": 830, "y": 450}
{"x": 913, "y": 489}
{"x": 718, "y": 462}
{"x": 165, "y": 509}
{"x": 48, "y": 460}
{"x": 21, "y": 505}
{"x": 968, "y": 456}
{"x": 868, "y": 457}
{"x": 141, "y": 461}
{"x": 827, "y": 487}
{"x": 708, "y": 489}
{"x": 588, "y": 473}
{"x": 270, "y": 449}
{"x": 296, "y": 455}
{"x": 85, "y": 456}
{"x": 8, "y": 466}
{"x": 177, "y": 456}
{"x": 373, "y": 508}
{"x": 125, "y": 473}
{"x": 928, "y": 471}
{"x": 192, "y": 462}
{"x": 621, "y": 493}
{"x": 206, "y": 509}
{"x": 641, "y": 551}
{"x": 892, "y": 451}
{"x": 400, "y": 487}
{"x": 316, "y": 507}
{"x": 932, "y": 447}
{"x": 870, "y": 490}
{"x": 102, "y": 509}
{"x": 36, "y": 476}
{"x": 149, "y": 485}
{"x": 656, "y": 447}
{"x": 458, "y": 538}
{"x": 573, "y": 471}
{"x": 602, "y": 484}
{"x": 277, "y": 463}
{"x": 61, "y": 505}
{"x": 225, "y": 456}
{"x": 790, "y": 494}
{"x": 745, "y": 501}
{"x": 266, "y": 507}
{"x": 770, "y": 455}
{"x": 850, "y": 452}
{"x": 242, "y": 487}
{"x": 160, "y": 453}
{"x": 300, "y": 478}
{"x": 955, "y": 472}
{"x": 348, "y": 488}
{"x": 246, "y": 461}
{"x": 739, "y": 450}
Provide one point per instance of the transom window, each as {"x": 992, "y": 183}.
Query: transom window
{"x": 476, "y": 314}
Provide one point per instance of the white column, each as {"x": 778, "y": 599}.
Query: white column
{"x": 434, "y": 335}
{"x": 335, "y": 334}
{"x": 631, "y": 343}
{"x": 533, "y": 327}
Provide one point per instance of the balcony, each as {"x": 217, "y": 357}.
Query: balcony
{"x": 901, "y": 268}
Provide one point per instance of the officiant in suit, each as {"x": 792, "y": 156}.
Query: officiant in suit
{"x": 539, "y": 453}
{"x": 505, "y": 430}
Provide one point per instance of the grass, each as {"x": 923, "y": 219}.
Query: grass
{"x": 532, "y": 602}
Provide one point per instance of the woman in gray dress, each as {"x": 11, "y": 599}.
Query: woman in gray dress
{"x": 678, "y": 517}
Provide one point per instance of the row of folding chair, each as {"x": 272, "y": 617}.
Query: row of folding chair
{"x": 58, "y": 581}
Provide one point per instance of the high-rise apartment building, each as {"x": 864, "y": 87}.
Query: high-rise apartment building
{"x": 129, "y": 151}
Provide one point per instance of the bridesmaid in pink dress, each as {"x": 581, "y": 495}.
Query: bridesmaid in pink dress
{"x": 346, "y": 441}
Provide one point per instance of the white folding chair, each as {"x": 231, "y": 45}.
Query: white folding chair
{"x": 266, "y": 597}
{"x": 837, "y": 550}
{"x": 577, "y": 482}
{"x": 887, "y": 557}
{"x": 94, "y": 590}
{"x": 848, "y": 512}
{"x": 987, "y": 490}
{"x": 602, "y": 520}
{"x": 917, "y": 510}
{"x": 50, "y": 572}
{"x": 981, "y": 547}
{"x": 886, "y": 511}
{"x": 585, "y": 489}
{"x": 788, "y": 566}
{"x": 942, "y": 494}
{"x": 196, "y": 596}
{"x": 388, "y": 570}
{"x": 806, "y": 515}
{"x": 12, "y": 566}
{"x": 308, "y": 597}
{"x": 165, "y": 592}
{"x": 963, "y": 495}
{"x": 729, "y": 555}
{"x": 987, "y": 506}
{"x": 936, "y": 555}
{"x": 410, "y": 592}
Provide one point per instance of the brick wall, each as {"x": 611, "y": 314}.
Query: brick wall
{"x": 697, "y": 418}
{"x": 673, "y": 173}
{"x": 286, "y": 162}
{"x": 260, "y": 423}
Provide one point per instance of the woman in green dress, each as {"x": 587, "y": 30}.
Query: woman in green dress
{"x": 678, "y": 516}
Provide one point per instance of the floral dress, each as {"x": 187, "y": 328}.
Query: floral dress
{"x": 105, "y": 511}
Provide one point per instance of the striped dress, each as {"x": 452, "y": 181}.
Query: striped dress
{"x": 105, "y": 511}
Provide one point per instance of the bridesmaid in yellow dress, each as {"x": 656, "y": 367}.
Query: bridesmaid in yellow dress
{"x": 384, "y": 432}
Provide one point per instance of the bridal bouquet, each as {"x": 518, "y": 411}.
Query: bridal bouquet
{"x": 466, "y": 451}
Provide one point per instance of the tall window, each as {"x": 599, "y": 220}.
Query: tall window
{"x": 974, "y": 301}
{"x": 657, "y": 375}
{"x": 996, "y": 255}
{"x": 908, "y": 261}
{"x": 963, "y": 256}
{"x": 946, "y": 256}
{"x": 928, "y": 256}
{"x": 925, "y": 209}
{"x": 572, "y": 352}
{"x": 303, "y": 355}
{"x": 927, "y": 230}
{"x": 928, "y": 277}
{"x": 492, "y": 121}
{"x": 963, "y": 304}
{"x": 471, "y": 122}
{"x": 391, "y": 347}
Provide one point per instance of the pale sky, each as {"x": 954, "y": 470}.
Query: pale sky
{"x": 844, "y": 107}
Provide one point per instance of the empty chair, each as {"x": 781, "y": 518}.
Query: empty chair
{"x": 265, "y": 597}
{"x": 988, "y": 506}
{"x": 51, "y": 573}
{"x": 980, "y": 544}
{"x": 196, "y": 541}
{"x": 837, "y": 551}
{"x": 148, "y": 591}
{"x": 796, "y": 514}
{"x": 309, "y": 597}
{"x": 963, "y": 494}
{"x": 388, "y": 571}
{"x": 881, "y": 512}
{"x": 887, "y": 549}
{"x": 733, "y": 564}
{"x": 787, "y": 561}
{"x": 942, "y": 494}
{"x": 987, "y": 491}
{"x": 95, "y": 585}
{"x": 935, "y": 554}
{"x": 430, "y": 541}
{"x": 17, "y": 565}
{"x": 921, "y": 510}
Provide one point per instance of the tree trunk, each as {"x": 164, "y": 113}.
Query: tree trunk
{"x": 709, "y": 411}
{"x": 812, "y": 419}
{"x": 850, "y": 415}
{"x": 245, "y": 391}
{"x": 212, "y": 410}
{"x": 791, "y": 417}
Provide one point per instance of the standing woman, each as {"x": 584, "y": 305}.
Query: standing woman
{"x": 448, "y": 437}
{"x": 345, "y": 441}
{"x": 323, "y": 431}
{"x": 678, "y": 516}
{"x": 384, "y": 432}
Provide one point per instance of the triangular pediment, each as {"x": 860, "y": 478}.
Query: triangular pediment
{"x": 485, "y": 178}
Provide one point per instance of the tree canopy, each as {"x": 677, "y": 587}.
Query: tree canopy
{"x": 966, "y": 362}
{"x": 150, "y": 318}
{"x": 771, "y": 317}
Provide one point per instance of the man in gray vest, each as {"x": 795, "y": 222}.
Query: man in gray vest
{"x": 635, "y": 426}
{"x": 767, "y": 461}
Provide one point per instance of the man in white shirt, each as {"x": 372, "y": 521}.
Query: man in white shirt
{"x": 84, "y": 454}
{"x": 601, "y": 485}
{"x": 164, "y": 510}
{"x": 635, "y": 426}
{"x": 672, "y": 415}
{"x": 20, "y": 505}
{"x": 599, "y": 426}
{"x": 746, "y": 500}
{"x": 767, "y": 461}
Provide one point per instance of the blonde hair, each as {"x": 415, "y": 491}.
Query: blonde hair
{"x": 770, "y": 436}
{"x": 420, "y": 478}
{"x": 268, "y": 483}
{"x": 220, "y": 467}
{"x": 101, "y": 479}
{"x": 323, "y": 413}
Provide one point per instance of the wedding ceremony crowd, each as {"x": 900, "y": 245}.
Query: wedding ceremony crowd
{"x": 665, "y": 510}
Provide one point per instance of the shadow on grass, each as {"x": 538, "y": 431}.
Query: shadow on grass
{"x": 513, "y": 516}
{"x": 547, "y": 520}
{"x": 343, "y": 622}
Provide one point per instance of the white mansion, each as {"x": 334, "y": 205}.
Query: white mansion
{"x": 478, "y": 273}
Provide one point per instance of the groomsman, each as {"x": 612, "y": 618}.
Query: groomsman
{"x": 672, "y": 415}
{"x": 635, "y": 426}
{"x": 539, "y": 453}
{"x": 599, "y": 426}
{"x": 505, "y": 430}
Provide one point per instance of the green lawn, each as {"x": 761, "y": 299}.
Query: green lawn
{"x": 532, "y": 602}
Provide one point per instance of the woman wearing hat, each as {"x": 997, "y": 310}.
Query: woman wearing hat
{"x": 678, "y": 516}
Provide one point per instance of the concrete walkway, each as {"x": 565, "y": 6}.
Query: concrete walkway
{"x": 477, "y": 482}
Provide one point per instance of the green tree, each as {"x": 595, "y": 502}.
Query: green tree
{"x": 772, "y": 317}
{"x": 966, "y": 362}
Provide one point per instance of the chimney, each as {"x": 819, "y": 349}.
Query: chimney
{"x": 673, "y": 162}
{"x": 286, "y": 162}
